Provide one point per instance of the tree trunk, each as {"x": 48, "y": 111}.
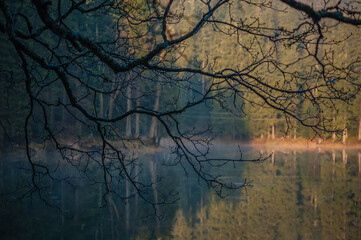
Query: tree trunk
{"x": 100, "y": 69}
{"x": 128, "y": 125}
{"x": 118, "y": 36}
{"x": 137, "y": 195}
{"x": 295, "y": 133}
{"x": 153, "y": 125}
{"x": 344, "y": 135}
{"x": 137, "y": 116}
{"x": 112, "y": 100}
{"x": 273, "y": 132}
{"x": 63, "y": 111}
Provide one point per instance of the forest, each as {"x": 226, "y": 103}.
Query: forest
{"x": 95, "y": 80}
{"x": 258, "y": 48}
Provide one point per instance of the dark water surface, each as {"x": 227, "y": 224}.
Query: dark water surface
{"x": 296, "y": 194}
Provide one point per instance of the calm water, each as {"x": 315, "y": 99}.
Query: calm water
{"x": 296, "y": 194}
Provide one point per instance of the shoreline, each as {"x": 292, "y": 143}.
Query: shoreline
{"x": 286, "y": 143}
{"x": 280, "y": 143}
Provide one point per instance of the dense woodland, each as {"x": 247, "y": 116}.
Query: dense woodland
{"x": 257, "y": 120}
{"x": 207, "y": 49}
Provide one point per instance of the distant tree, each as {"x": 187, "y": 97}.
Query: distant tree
{"x": 93, "y": 70}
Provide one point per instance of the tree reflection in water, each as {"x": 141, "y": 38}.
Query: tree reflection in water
{"x": 294, "y": 195}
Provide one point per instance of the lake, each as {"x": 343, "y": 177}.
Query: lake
{"x": 295, "y": 194}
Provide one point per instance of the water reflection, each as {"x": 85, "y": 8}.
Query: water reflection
{"x": 294, "y": 195}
